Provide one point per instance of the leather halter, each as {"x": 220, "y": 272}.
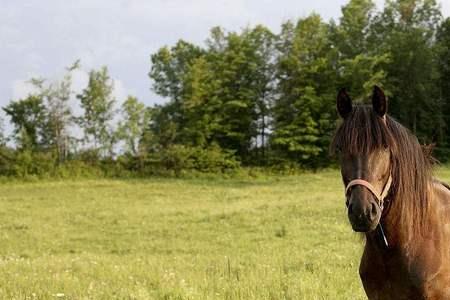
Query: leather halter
{"x": 371, "y": 188}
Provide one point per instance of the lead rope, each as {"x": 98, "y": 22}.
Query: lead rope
{"x": 380, "y": 199}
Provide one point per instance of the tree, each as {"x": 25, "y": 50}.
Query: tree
{"x": 209, "y": 88}
{"x": 42, "y": 120}
{"x": 29, "y": 120}
{"x": 161, "y": 131}
{"x": 169, "y": 67}
{"x": 57, "y": 97}
{"x": 135, "y": 117}
{"x": 201, "y": 105}
{"x": 233, "y": 78}
{"x": 97, "y": 102}
{"x": 406, "y": 30}
{"x": 359, "y": 65}
{"x": 350, "y": 36}
{"x": 240, "y": 82}
{"x": 442, "y": 49}
{"x": 303, "y": 109}
{"x": 263, "y": 59}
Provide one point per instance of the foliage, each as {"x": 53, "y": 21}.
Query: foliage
{"x": 243, "y": 98}
{"x": 28, "y": 117}
{"x": 442, "y": 50}
{"x": 97, "y": 102}
{"x": 59, "y": 115}
{"x": 134, "y": 119}
{"x": 302, "y": 111}
{"x": 180, "y": 159}
{"x": 406, "y": 31}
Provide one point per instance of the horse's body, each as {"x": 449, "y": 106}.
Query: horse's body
{"x": 375, "y": 150}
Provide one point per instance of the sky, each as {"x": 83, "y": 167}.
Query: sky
{"x": 39, "y": 38}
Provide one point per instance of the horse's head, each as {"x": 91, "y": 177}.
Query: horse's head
{"x": 363, "y": 142}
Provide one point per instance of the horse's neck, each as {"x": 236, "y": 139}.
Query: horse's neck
{"x": 437, "y": 222}
{"x": 440, "y": 207}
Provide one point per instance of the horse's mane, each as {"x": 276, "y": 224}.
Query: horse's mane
{"x": 363, "y": 131}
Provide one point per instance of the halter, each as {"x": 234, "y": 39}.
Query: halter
{"x": 371, "y": 188}
{"x": 380, "y": 198}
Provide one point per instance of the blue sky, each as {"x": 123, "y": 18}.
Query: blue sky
{"x": 41, "y": 37}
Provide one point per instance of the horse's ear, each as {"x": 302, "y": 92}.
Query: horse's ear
{"x": 343, "y": 103}
{"x": 379, "y": 101}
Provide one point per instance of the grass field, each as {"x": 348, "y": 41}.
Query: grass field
{"x": 272, "y": 238}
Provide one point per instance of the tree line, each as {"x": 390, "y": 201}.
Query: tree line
{"x": 247, "y": 98}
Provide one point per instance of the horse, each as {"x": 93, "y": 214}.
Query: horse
{"x": 394, "y": 201}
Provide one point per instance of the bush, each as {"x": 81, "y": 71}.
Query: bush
{"x": 175, "y": 160}
{"x": 27, "y": 163}
{"x": 77, "y": 169}
{"x": 215, "y": 160}
{"x": 7, "y": 161}
{"x": 179, "y": 159}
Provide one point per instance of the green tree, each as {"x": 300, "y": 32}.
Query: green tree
{"x": 359, "y": 65}
{"x": 233, "y": 78}
{"x": 201, "y": 105}
{"x": 161, "y": 131}
{"x": 29, "y": 120}
{"x": 57, "y": 95}
{"x": 97, "y": 102}
{"x": 209, "y": 88}
{"x": 168, "y": 70}
{"x": 263, "y": 59}
{"x": 169, "y": 67}
{"x": 303, "y": 110}
{"x": 406, "y": 29}
{"x": 135, "y": 117}
{"x": 443, "y": 66}
{"x": 238, "y": 62}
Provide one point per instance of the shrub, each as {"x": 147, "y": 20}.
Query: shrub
{"x": 214, "y": 160}
{"x": 179, "y": 159}
{"x": 7, "y": 161}
{"x": 78, "y": 169}
{"x": 27, "y": 163}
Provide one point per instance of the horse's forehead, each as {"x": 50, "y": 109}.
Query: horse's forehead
{"x": 374, "y": 162}
{"x": 369, "y": 154}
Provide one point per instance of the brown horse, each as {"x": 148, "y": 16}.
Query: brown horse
{"x": 392, "y": 198}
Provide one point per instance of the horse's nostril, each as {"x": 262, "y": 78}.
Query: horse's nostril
{"x": 373, "y": 211}
{"x": 350, "y": 208}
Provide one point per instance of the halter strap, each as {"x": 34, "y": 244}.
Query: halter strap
{"x": 371, "y": 188}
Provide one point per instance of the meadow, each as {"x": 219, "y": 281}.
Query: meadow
{"x": 261, "y": 238}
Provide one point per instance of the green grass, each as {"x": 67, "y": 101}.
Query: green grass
{"x": 273, "y": 238}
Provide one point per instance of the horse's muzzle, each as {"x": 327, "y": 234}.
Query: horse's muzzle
{"x": 363, "y": 213}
